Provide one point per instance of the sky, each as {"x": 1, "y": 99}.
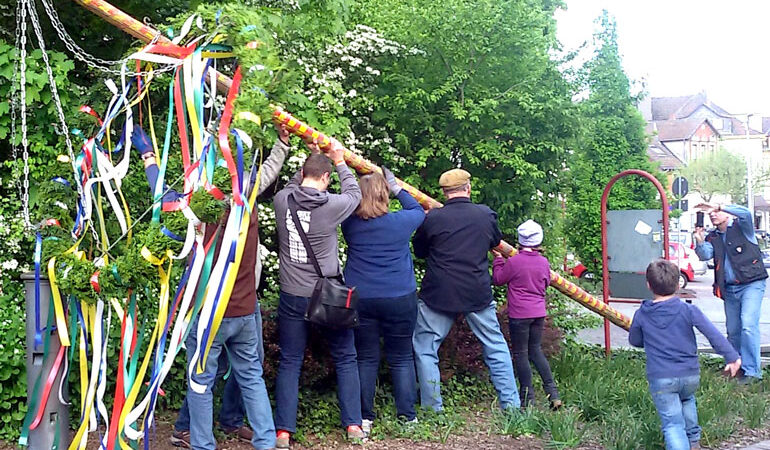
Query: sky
{"x": 682, "y": 47}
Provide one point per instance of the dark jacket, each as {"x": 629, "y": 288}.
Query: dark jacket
{"x": 745, "y": 259}
{"x": 665, "y": 330}
{"x": 455, "y": 240}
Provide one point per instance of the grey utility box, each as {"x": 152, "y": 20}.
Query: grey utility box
{"x": 634, "y": 239}
{"x": 56, "y": 416}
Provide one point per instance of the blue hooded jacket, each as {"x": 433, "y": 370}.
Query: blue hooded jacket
{"x": 665, "y": 330}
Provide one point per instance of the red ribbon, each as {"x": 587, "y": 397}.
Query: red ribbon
{"x": 88, "y": 110}
{"x": 95, "y": 282}
{"x": 47, "y": 389}
{"x": 224, "y": 132}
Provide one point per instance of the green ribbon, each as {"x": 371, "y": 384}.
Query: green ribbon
{"x": 34, "y": 401}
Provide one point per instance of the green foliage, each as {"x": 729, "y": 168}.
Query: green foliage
{"x": 719, "y": 172}
{"x": 612, "y": 139}
{"x": 475, "y": 88}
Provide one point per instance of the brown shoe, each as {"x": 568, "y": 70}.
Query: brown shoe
{"x": 243, "y": 433}
{"x": 556, "y": 404}
{"x": 180, "y": 439}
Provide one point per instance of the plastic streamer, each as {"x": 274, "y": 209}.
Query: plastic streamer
{"x": 147, "y": 345}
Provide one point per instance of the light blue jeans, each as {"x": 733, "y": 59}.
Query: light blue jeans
{"x": 431, "y": 329}
{"x": 743, "y": 303}
{"x": 674, "y": 399}
{"x": 240, "y": 336}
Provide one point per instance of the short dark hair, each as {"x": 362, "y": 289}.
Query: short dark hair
{"x": 663, "y": 277}
{"x": 316, "y": 165}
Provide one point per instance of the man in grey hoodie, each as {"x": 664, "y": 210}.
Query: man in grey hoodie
{"x": 320, "y": 213}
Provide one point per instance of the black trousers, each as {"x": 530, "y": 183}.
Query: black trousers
{"x": 526, "y": 336}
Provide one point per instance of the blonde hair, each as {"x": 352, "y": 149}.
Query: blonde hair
{"x": 375, "y": 195}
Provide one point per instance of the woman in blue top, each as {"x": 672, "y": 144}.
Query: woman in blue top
{"x": 380, "y": 266}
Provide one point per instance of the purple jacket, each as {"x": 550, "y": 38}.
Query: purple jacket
{"x": 527, "y": 274}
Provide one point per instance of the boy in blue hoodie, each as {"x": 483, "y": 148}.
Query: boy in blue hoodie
{"x": 664, "y": 327}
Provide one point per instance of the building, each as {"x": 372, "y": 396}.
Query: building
{"x": 690, "y": 126}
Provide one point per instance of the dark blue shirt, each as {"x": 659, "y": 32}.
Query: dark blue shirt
{"x": 665, "y": 330}
{"x": 455, "y": 240}
{"x": 379, "y": 262}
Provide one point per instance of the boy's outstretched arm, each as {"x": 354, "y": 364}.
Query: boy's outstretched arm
{"x": 720, "y": 343}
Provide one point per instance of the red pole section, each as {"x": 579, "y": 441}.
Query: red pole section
{"x": 605, "y": 257}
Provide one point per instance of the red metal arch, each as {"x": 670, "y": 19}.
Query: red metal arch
{"x": 605, "y": 257}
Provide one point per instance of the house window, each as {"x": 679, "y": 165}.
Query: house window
{"x": 712, "y": 147}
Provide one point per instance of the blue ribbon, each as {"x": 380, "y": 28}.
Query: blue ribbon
{"x": 171, "y": 234}
{"x": 38, "y": 256}
{"x": 62, "y": 181}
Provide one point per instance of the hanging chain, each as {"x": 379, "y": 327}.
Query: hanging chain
{"x": 23, "y": 100}
{"x": 92, "y": 61}
{"x": 14, "y": 101}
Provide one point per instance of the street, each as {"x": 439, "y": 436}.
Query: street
{"x": 705, "y": 300}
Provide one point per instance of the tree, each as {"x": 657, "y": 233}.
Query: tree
{"x": 719, "y": 172}
{"x": 612, "y": 140}
{"x": 477, "y": 88}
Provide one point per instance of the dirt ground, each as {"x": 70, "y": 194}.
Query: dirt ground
{"x": 479, "y": 438}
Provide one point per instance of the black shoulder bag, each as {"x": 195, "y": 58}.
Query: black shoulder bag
{"x": 333, "y": 304}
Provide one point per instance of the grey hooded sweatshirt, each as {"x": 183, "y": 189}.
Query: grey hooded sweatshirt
{"x": 320, "y": 214}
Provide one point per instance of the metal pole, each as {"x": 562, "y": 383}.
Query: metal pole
{"x": 55, "y": 418}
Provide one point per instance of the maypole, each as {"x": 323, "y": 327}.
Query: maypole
{"x": 146, "y": 33}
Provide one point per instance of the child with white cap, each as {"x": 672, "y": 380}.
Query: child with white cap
{"x": 527, "y": 275}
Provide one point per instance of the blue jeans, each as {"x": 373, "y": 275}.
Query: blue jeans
{"x": 231, "y": 413}
{"x": 674, "y": 399}
{"x": 394, "y": 319}
{"x": 431, "y": 329}
{"x": 742, "y": 307}
{"x": 240, "y": 336}
{"x": 292, "y": 337}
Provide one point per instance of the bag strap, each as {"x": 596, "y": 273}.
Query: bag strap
{"x": 302, "y": 235}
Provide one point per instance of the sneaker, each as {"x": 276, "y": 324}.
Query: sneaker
{"x": 355, "y": 433}
{"x": 282, "y": 438}
{"x": 695, "y": 445}
{"x": 180, "y": 439}
{"x": 366, "y": 426}
{"x": 242, "y": 433}
{"x": 556, "y": 404}
{"x": 411, "y": 423}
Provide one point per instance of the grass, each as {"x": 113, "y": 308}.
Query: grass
{"x": 607, "y": 402}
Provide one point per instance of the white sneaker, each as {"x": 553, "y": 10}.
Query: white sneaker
{"x": 366, "y": 425}
{"x": 413, "y": 422}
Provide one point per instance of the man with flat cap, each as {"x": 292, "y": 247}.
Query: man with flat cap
{"x": 455, "y": 241}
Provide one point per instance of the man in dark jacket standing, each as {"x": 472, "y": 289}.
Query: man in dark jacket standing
{"x": 739, "y": 279}
{"x": 455, "y": 240}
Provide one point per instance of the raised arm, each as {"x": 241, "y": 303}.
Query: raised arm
{"x": 272, "y": 165}
{"x": 745, "y": 220}
{"x": 141, "y": 143}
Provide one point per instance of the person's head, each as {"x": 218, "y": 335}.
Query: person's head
{"x": 719, "y": 218}
{"x": 317, "y": 170}
{"x": 374, "y": 196}
{"x": 662, "y": 277}
{"x": 530, "y": 235}
{"x": 455, "y": 183}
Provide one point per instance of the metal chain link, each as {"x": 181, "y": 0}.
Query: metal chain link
{"x": 14, "y": 101}
{"x": 23, "y": 98}
{"x": 92, "y": 61}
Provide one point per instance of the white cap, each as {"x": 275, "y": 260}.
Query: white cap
{"x": 530, "y": 234}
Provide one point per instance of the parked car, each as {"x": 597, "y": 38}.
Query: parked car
{"x": 689, "y": 265}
